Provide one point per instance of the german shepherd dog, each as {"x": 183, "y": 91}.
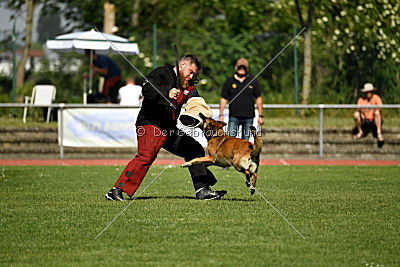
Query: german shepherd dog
{"x": 225, "y": 151}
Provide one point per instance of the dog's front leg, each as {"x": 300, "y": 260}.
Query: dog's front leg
{"x": 204, "y": 160}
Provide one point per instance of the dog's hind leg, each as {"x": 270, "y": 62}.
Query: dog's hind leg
{"x": 246, "y": 166}
{"x": 253, "y": 183}
{"x": 248, "y": 175}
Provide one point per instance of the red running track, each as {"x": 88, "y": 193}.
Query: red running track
{"x": 123, "y": 162}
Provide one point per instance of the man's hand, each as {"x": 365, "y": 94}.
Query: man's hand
{"x": 173, "y": 93}
{"x": 221, "y": 117}
{"x": 260, "y": 120}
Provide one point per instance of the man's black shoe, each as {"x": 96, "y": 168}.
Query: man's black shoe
{"x": 115, "y": 194}
{"x": 207, "y": 194}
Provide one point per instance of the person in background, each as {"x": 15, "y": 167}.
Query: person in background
{"x": 108, "y": 69}
{"x": 130, "y": 94}
{"x": 241, "y": 95}
{"x": 368, "y": 119}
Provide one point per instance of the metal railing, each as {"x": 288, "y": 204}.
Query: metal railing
{"x": 321, "y": 107}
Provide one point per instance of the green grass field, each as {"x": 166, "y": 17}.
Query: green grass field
{"x": 50, "y": 215}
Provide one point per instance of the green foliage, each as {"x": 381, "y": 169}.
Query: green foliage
{"x": 353, "y": 43}
{"x": 219, "y": 54}
{"x": 366, "y": 43}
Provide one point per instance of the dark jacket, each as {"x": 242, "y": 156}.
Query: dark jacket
{"x": 156, "y": 110}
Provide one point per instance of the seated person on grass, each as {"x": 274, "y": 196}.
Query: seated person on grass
{"x": 368, "y": 119}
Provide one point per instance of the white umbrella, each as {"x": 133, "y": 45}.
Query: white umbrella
{"x": 92, "y": 40}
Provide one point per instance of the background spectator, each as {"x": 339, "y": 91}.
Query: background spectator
{"x": 108, "y": 69}
{"x": 241, "y": 97}
{"x": 130, "y": 94}
{"x": 368, "y": 119}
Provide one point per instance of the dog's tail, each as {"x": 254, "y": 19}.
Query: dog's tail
{"x": 258, "y": 143}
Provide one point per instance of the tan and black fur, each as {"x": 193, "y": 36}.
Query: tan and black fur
{"x": 226, "y": 151}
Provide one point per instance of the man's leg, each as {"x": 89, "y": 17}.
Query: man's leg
{"x": 233, "y": 126}
{"x": 187, "y": 147}
{"x": 113, "y": 92}
{"x": 108, "y": 83}
{"x": 358, "y": 120}
{"x": 246, "y": 123}
{"x": 150, "y": 140}
{"x": 378, "y": 123}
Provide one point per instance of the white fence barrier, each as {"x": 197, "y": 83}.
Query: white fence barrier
{"x": 82, "y": 115}
{"x": 109, "y": 127}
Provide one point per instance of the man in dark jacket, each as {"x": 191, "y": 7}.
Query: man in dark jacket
{"x": 156, "y": 129}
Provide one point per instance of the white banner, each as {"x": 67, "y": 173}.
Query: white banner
{"x": 108, "y": 127}
{"x": 99, "y": 127}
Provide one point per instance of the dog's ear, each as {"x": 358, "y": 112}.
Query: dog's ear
{"x": 223, "y": 123}
{"x": 202, "y": 116}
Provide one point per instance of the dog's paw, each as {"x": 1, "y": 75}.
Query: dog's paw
{"x": 252, "y": 190}
{"x": 248, "y": 183}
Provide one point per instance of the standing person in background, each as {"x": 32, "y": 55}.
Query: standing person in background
{"x": 368, "y": 119}
{"x": 241, "y": 97}
{"x": 108, "y": 69}
{"x": 130, "y": 94}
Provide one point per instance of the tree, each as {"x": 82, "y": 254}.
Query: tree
{"x": 30, "y": 7}
{"x": 365, "y": 39}
{"x": 307, "y": 49}
{"x": 135, "y": 13}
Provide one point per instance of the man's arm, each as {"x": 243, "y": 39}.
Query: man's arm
{"x": 162, "y": 83}
{"x": 100, "y": 65}
{"x": 222, "y": 105}
{"x": 259, "y": 104}
{"x": 378, "y": 101}
{"x": 95, "y": 69}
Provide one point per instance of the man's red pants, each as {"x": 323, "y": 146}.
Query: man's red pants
{"x": 150, "y": 140}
